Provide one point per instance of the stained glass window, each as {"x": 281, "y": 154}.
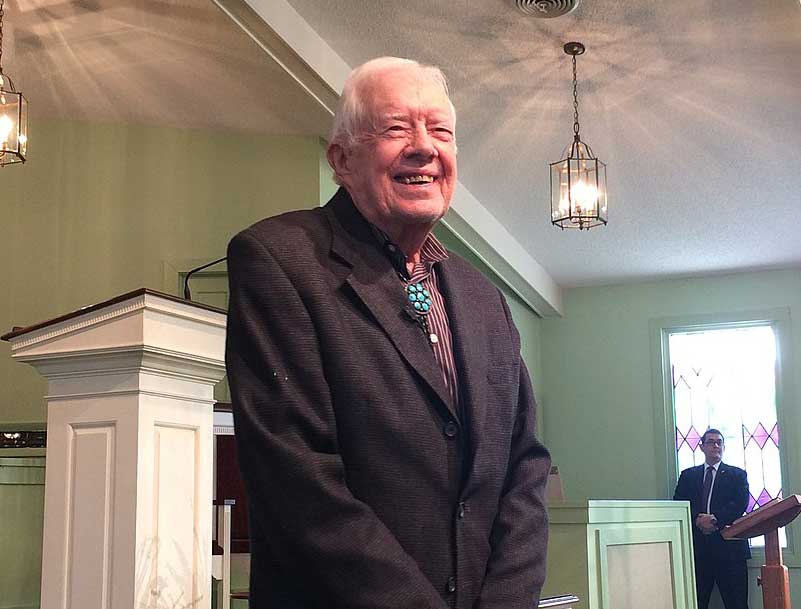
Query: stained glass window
{"x": 726, "y": 379}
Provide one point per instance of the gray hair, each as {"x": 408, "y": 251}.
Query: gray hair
{"x": 350, "y": 117}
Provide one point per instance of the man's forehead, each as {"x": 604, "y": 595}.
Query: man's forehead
{"x": 404, "y": 86}
{"x": 436, "y": 113}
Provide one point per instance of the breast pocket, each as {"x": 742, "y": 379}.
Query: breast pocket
{"x": 501, "y": 375}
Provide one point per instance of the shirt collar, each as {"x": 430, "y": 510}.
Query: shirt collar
{"x": 432, "y": 251}
{"x": 715, "y": 466}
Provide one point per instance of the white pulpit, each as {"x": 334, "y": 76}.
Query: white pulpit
{"x": 128, "y": 486}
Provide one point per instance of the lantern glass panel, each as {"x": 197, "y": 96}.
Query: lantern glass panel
{"x": 13, "y": 127}
{"x": 583, "y": 185}
{"x": 560, "y": 206}
{"x": 9, "y": 119}
{"x": 23, "y": 126}
{"x": 602, "y": 207}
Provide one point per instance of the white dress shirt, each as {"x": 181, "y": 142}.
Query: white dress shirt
{"x": 711, "y": 488}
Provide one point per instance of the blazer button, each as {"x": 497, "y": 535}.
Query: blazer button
{"x": 451, "y": 429}
{"x": 451, "y": 584}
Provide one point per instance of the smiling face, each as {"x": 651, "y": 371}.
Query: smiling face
{"x": 401, "y": 169}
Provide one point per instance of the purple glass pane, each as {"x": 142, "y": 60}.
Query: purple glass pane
{"x": 764, "y": 497}
{"x": 751, "y": 503}
{"x": 774, "y": 434}
{"x": 746, "y": 436}
{"x": 679, "y": 439}
{"x": 693, "y": 438}
{"x": 760, "y": 435}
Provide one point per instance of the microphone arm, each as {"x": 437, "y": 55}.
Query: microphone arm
{"x": 187, "y": 294}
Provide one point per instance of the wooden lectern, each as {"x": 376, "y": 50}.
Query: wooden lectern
{"x": 766, "y": 521}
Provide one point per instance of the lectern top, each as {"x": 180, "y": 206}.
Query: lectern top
{"x": 106, "y": 303}
{"x": 769, "y": 517}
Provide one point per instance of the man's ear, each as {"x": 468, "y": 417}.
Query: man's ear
{"x": 338, "y": 157}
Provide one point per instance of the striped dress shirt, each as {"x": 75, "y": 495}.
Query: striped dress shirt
{"x": 436, "y": 321}
{"x": 424, "y": 272}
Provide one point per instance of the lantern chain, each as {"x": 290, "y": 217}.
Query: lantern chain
{"x": 2, "y": 3}
{"x": 575, "y": 102}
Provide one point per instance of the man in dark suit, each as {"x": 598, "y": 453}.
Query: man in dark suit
{"x": 718, "y": 495}
{"x": 385, "y": 420}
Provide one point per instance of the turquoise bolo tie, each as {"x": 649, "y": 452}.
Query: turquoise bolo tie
{"x": 419, "y": 297}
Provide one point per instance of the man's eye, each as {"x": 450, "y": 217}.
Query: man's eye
{"x": 396, "y": 129}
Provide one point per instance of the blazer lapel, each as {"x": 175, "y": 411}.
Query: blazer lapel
{"x": 720, "y": 477}
{"x": 374, "y": 281}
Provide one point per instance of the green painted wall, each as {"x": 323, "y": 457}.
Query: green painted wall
{"x": 328, "y": 186}
{"x": 101, "y": 209}
{"x": 21, "y": 521}
{"x": 597, "y": 369}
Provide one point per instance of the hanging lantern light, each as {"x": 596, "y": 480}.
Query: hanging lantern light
{"x": 13, "y": 114}
{"x": 578, "y": 181}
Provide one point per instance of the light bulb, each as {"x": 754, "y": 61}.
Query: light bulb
{"x": 6, "y": 124}
{"x": 584, "y": 196}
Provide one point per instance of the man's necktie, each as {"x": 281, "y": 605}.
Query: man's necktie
{"x": 707, "y": 489}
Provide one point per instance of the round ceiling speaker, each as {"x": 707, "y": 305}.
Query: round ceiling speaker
{"x": 546, "y": 9}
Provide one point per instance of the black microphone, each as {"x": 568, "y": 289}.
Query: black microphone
{"x": 187, "y": 294}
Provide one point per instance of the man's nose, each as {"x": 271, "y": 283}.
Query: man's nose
{"x": 421, "y": 143}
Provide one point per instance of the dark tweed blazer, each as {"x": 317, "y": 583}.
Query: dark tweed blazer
{"x": 729, "y": 501}
{"x": 367, "y": 490}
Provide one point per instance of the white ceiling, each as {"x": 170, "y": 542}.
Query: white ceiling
{"x": 695, "y": 106}
{"x": 180, "y": 63}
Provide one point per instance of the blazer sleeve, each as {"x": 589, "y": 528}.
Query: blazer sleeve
{"x": 516, "y": 569}
{"x": 288, "y": 448}
{"x": 685, "y": 491}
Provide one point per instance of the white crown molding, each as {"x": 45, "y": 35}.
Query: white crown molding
{"x": 147, "y": 330}
{"x": 72, "y": 397}
{"x": 76, "y": 324}
{"x": 136, "y": 359}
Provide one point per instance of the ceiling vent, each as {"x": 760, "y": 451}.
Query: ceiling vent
{"x": 546, "y": 9}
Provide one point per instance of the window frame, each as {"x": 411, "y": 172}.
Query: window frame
{"x": 789, "y": 418}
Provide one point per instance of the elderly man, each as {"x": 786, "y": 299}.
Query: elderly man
{"x": 385, "y": 420}
{"x": 718, "y": 495}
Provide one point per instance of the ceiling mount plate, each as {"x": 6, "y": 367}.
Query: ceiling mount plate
{"x": 546, "y": 9}
{"x": 574, "y": 48}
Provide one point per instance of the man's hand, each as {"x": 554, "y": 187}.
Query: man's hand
{"x": 707, "y": 523}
